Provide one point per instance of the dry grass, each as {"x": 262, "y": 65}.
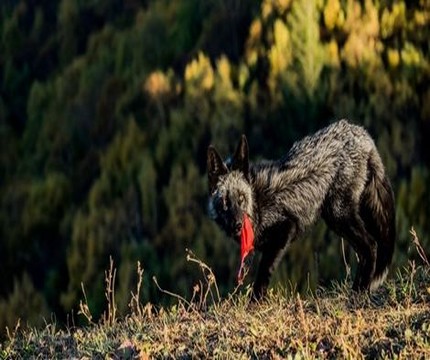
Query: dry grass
{"x": 393, "y": 322}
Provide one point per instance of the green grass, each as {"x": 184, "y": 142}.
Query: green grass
{"x": 393, "y": 322}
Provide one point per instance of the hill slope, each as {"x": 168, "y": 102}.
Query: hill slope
{"x": 331, "y": 323}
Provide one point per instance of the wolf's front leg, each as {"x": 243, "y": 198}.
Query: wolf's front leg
{"x": 273, "y": 251}
{"x": 268, "y": 263}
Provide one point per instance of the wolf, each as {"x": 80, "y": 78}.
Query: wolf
{"x": 335, "y": 174}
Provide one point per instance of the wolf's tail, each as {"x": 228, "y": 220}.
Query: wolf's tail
{"x": 378, "y": 213}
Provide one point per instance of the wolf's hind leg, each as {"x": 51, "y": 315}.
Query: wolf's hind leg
{"x": 366, "y": 248}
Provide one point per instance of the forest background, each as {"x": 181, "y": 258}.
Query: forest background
{"x": 107, "y": 109}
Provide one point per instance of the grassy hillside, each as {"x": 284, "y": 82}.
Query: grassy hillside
{"x": 331, "y": 323}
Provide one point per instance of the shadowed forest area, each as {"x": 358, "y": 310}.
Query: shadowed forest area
{"x": 107, "y": 109}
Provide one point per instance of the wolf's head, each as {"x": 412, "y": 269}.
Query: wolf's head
{"x": 230, "y": 192}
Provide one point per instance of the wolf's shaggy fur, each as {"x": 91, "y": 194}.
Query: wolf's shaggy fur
{"x": 336, "y": 173}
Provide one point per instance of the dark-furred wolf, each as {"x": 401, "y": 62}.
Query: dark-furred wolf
{"x": 336, "y": 174}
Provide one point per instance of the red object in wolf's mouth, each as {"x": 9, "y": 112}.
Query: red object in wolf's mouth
{"x": 246, "y": 245}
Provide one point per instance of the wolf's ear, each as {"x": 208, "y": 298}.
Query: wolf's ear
{"x": 216, "y": 168}
{"x": 241, "y": 158}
